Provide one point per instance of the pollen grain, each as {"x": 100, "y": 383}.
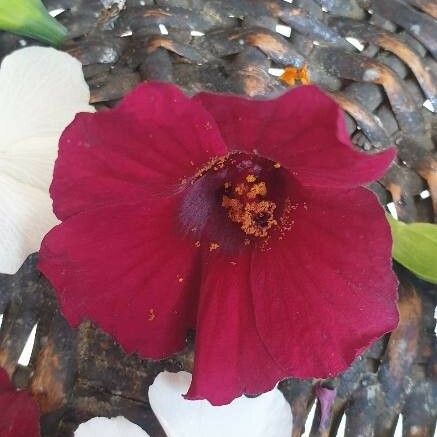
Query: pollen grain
{"x": 152, "y": 315}
{"x": 213, "y": 246}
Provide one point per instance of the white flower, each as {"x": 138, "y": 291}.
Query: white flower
{"x": 115, "y": 427}
{"x": 268, "y": 415}
{"x": 41, "y": 89}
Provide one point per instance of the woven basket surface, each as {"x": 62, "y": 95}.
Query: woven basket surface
{"x": 236, "y": 46}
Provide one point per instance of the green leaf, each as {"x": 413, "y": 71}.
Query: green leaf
{"x": 415, "y": 247}
{"x": 30, "y": 18}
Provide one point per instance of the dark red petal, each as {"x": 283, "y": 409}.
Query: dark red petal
{"x": 156, "y": 137}
{"x": 19, "y": 413}
{"x": 326, "y": 290}
{"x": 127, "y": 269}
{"x": 303, "y": 129}
{"x": 230, "y": 357}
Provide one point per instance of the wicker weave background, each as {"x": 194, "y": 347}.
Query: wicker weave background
{"x": 78, "y": 374}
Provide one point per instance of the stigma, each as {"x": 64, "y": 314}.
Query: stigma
{"x": 247, "y": 205}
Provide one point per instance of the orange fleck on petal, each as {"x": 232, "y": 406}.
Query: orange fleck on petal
{"x": 197, "y": 243}
{"x": 152, "y": 314}
{"x": 277, "y": 165}
{"x": 250, "y": 178}
{"x": 214, "y": 163}
{"x": 213, "y": 246}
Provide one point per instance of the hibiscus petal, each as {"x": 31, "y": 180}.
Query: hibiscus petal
{"x": 19, "y": 415}
{"x": 41, "y": 89}
{"x": 303, "y": 129}
{"x": 114, "y": 427}
{"x": 154, "y": 139}
{"x": 31, "y": 161}
{"x": 268, "y": 415}
{"x": 127, "y": 269}
{"x": 326, "y": 290}
{"x": 230, "y": 359}
{"x": 25, "y": 217}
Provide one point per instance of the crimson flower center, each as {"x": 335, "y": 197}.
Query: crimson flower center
{"x": 240, "y": 198}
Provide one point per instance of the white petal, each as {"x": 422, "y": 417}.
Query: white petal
{"x": 25, "y": 217}
{"x": 268, "y": 415}
{"x": 41, "y": 90}
{"x": 104, "y": 427}
{"x": 31, "y": 161}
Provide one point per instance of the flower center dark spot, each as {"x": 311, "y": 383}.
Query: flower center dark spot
{"x": 235, "y": 200}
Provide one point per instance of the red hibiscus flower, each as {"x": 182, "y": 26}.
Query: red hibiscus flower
{"x": 19, "y": 413}
{"x": 241, "y": 219}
